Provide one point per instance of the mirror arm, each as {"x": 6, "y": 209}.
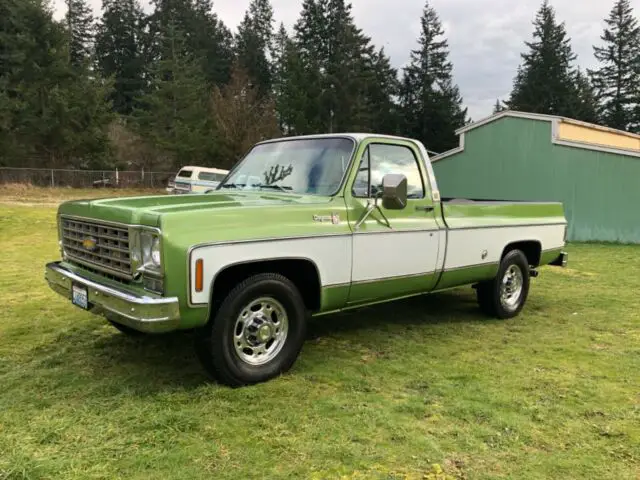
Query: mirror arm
{"x": 375, "y": 203}
{"x": 370, "y": 208}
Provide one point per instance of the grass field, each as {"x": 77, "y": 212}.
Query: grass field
{"x": 386, "y": 392}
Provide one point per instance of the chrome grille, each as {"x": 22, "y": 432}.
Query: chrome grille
{"x": 111, "y": 252}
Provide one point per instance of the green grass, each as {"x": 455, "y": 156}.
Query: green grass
{"x": 386, "y": 392}
{"x": 21, "y": 193}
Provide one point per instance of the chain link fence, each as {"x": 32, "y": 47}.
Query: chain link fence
{"x": 51, "y": 177}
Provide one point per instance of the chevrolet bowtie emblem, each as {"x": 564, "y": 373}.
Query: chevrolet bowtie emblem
{"x": 89, "y": 243}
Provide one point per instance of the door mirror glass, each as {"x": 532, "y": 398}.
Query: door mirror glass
{"x": 394, "y": 191}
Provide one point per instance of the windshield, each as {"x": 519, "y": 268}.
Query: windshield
{"x": 312, "y": 166}
{"x": 184, "y": 174}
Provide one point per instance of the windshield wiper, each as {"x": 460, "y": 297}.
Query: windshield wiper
{"x": 276, "y": 187}
{"x": 233, "y": 185}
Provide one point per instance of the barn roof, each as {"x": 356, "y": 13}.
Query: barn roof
{"x": 565, "y": 131}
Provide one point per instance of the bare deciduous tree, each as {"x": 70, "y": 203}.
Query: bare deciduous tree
{"x": 241, "y": 117}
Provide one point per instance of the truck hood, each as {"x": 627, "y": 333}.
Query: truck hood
{"x": 148, "y": 210}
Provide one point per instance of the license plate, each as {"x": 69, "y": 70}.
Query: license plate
{"x": 80, "y": 297}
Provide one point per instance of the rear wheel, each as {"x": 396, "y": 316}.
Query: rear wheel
{"x": 256, "y": 334}
{"x": 505, "y": 296}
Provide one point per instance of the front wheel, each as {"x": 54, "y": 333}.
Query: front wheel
{"x": 504, "y": 296}
{"x": 256, "y": 334}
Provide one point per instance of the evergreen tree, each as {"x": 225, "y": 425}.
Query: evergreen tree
{"x": 52, "y": 114}
{"x": 617, "y": 80}
{"x": 311, "y": 55}
{"x": 339, "y": 65}
{"x": 547, "y": 82}
{"x": 174, "y": 116}
{"x": 498, "y": 107}
{"x": 253, "y": 43}
{"x": 279, "y": 53}
{"x": 290, "y": 86}
{"x": 80, "y": 28}
{"x": 382, "y": 88}
{"x": 206, "y": 39}
{"x": 120, "y": 51}
{"x": 431, "y": 103}
{"x": 586, "y": 108}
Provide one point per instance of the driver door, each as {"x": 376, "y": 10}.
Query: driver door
{"x": 395, "y": 252}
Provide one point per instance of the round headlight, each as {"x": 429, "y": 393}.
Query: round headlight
{"x": 155, "y": 251}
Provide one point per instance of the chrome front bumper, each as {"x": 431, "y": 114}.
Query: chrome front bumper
{"x": 146, "y": 314}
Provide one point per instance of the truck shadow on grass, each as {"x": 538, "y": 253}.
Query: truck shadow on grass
{"x": 454, "y": 306}
{"x": 114, "y": 363}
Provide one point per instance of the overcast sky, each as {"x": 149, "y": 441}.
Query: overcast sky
{"x": 485, "y": 36}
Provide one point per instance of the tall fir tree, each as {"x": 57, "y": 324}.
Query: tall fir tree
{"x": 546, "y": 81}
{"x": 212, "y": 42}
{"x": 253, "y": 44}
{"x": 311, "y": 54}
{"x": 80, "y": 29}
{"x": 431, "y": 103}
{"x": 498, "y": 106}
{"x": 617, "y": 79}
{"x": 206, "y": 39}
{"x": 339, "y": 65}
{"x": 586, "y": 107}
{"x": 174, "y": 116}
{"x": 382, "y": 88}
{"x": 121, "y": 51}
{"x": 279, "y": 71}
{"x": 290, "y": 85}
{"x": 53, "y": 114}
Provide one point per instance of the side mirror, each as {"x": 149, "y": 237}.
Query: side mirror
{"x": 394, "y": 191}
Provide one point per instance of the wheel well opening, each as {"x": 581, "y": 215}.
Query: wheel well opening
{"x": 303, "y": 274}
{"x": 531, "y": 249}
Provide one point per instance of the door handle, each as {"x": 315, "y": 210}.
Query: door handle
{"x": 425, "y": 208}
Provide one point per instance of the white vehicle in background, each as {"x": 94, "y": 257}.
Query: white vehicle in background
{"x": 198, "y": 179}
{"x": 171, "y": 184}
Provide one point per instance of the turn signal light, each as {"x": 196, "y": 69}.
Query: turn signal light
{"x": 199, "y": 275}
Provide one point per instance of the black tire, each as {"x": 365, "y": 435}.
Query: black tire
{"x": 126, "y": 330}
{"x": 214, "y": 343}
{"x": 489, "y": 292}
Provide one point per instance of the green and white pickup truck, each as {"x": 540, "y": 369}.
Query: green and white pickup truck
{"x": 300, "y": 227}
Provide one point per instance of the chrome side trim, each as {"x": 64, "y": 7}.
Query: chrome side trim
{"x": 475, "y": 265}
{"x": 395, "y": 232}
{"x": 337, "y": 285}
{"x": 519, "y": 225}
{"x": 395, "y": 277}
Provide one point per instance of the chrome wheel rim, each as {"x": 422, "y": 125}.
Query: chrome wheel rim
{"x": 260, "y": 331}
{"x": 511, "y": 287}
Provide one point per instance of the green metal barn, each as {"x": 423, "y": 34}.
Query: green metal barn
{"x": 594, "y": 171}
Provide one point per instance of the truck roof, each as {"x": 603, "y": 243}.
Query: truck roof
{"x": 356, "y": 136}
